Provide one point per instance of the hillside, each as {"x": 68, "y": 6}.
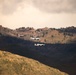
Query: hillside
{"x": 58, "y": 51}
{"x": 49, "y": 35}
{"x": 59, "y": 56}
{"x": 11, "y": 64}
{"x": 44, "y": 35}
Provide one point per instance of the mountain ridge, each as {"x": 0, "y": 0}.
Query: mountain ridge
{"x": 45, "y": 35}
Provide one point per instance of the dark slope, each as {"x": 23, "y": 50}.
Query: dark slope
{"x": 60, "y": 56}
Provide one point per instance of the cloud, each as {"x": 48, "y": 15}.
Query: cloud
{"x": 10, "y": 6}
{"x": 52, "y": 6}
{"x": 56, "y": 5}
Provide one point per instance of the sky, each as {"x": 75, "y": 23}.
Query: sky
{"x": 37, "y": 13}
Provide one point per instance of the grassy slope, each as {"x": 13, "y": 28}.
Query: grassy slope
{"x": 11, "y": 64}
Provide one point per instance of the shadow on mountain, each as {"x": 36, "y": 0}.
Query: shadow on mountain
{"x": 60, "y": 56}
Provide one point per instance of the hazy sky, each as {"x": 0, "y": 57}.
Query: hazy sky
{"x": 37, "y": 13}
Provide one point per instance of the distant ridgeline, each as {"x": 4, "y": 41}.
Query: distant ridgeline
{"x": 43, "y": 35}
